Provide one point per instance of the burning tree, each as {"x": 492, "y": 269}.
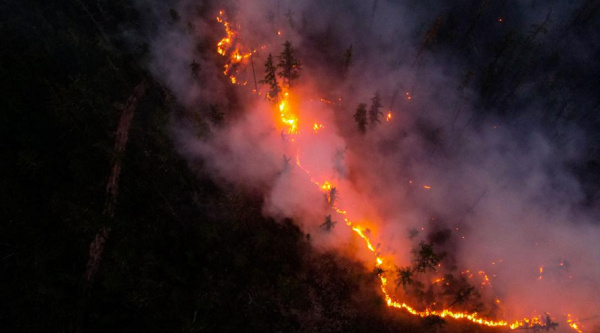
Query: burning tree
{"x": 289, "y": 65}
{"x": 361, "y": 117}
{"x": 331, "y": 196}
{"x": 271, "y": 78}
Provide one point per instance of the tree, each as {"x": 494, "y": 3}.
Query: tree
{"x": 331, "y": 196}
{"x": 374, "y": 110}
{"x": 271, "y": 78}
{"x": 464, "y": 294}
{"x": 404, "y": 276}
{"x": 426, "y": 259}
{"x": 328, "y": 224}
{"x": 361, "y": 117}
{"x": 289, "y": 65}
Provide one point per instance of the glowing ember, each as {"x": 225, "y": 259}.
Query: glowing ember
{"x": 287, "y": 117}
{"x": 486, "y": 279}
{"x": 572, "y": 324}
{"x": 388, "y": 117}
{"x": 326, "y": 186}
{"x": 326, "y": 101}
{"x": 317, "y": 127}
{"x": 225, "y": 46}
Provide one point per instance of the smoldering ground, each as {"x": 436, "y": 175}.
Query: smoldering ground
{"x": 493, "y": 134}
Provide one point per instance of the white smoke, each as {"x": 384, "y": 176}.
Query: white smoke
{"x": 504, "y": 186}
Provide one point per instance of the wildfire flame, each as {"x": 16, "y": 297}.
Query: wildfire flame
{"x": 289, "y": 119}
{"x": 228, "y": 47}
{"x": 572, "y": 324}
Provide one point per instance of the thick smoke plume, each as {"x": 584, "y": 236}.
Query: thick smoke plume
{"x": 478, "y": 157}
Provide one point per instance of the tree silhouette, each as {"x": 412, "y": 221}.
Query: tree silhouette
{"x": 374, "y": 110}
{"x": 289, "y": 65}
{"x": 328, "y": 224}
{"x": 404, "y": 276}
{"x": 426, "y": 258}
{"x": 361, "y": 117}
{"x": 271, "y": 78}
{"x": 331, "y": 196}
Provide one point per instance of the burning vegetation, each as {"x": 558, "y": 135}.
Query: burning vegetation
{"x": 417, "y": 289}
{"x": 300, "y": 166}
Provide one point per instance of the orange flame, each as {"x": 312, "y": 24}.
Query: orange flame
{"x": 572, "y": 324}
{"x": 291, "y": 120}
{"x": 225, "y": 45}
{"x": 287, "y": 117}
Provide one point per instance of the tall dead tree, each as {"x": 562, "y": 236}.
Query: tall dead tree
{"x": 112, "y": 187}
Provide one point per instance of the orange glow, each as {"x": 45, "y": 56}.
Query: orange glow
{"x": 287, "y": 117}
{"x": 225, "y": 45}
{"x": 228, "y": 48}
{"x": 486, "y": 279}
{"x": 279, "y": 33}
{"x": 572, "y": 324}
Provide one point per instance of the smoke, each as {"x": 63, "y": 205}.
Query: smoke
{"x": 489, "y": 126}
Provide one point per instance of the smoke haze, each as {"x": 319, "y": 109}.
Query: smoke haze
{"x": 491, "y": 125}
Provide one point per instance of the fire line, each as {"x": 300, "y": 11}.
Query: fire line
{"x": 291, "y": 120}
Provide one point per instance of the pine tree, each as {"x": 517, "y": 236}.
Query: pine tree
{"x": 374, "y": 110}
{"x": 289, "y": 65}
{"x": 361, "y": 117}
{"x": 271, "y": 78}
